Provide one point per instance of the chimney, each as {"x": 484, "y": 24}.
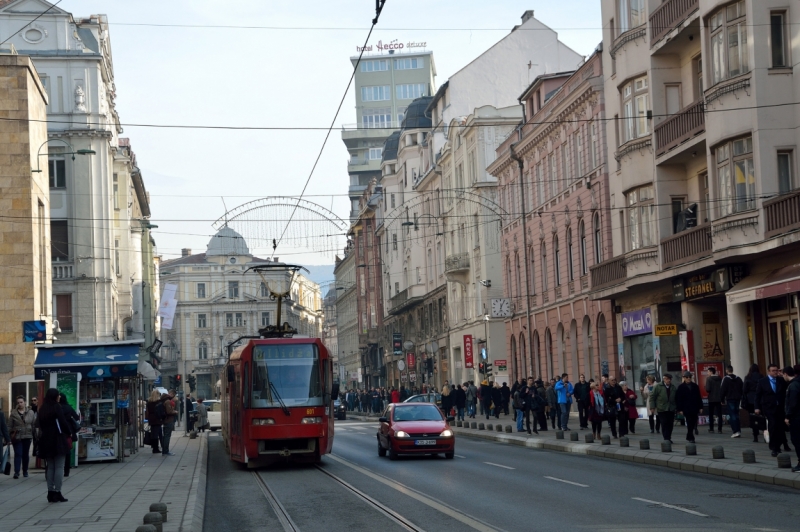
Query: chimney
{"x": 275, "y": 259}
{"x": 526, "y": 16}
{"x": 185, "y": 252}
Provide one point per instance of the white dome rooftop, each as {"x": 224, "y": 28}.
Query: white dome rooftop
{"x": 227, "y": 242}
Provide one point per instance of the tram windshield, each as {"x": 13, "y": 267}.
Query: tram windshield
{"x": 287, "y": 373}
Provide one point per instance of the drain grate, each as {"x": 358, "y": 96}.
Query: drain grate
{"x": 62, "y": 520}
{"x": 734, "y": 495}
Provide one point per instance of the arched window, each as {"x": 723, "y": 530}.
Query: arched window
{"x": 582, "y": 236}
{"x": 514, "y": 349}
{"x": 535, "y": 352}
{"x": 523, "y": 355}
{"x": 544, "y": 267}
{"x": 570, "y": 263}
{"x": 548, "y": 351}
{"x": 557, "y": 260}
{"x": 598, "y": 240}
{"x": 520, "y": 291}
{"x": 509, "y": 279}
{"x": 202, "y": 351}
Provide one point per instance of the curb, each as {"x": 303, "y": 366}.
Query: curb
{"x": 195, "y": 506}
{"x": 725, "y": 467}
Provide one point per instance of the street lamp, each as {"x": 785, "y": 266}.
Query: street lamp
{"x": 73, "y": 152}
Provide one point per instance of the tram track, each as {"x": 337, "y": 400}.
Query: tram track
{"x": 290, "y": 526}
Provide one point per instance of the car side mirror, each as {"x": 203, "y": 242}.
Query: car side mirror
{"x": 383, "y": 419}
{"x": 335, "y": 390}
{"x": 450, "y": 418}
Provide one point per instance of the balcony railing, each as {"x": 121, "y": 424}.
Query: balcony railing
{"x": 681, "y": 127}
{"x": 62, "y": 271}
{"x": 609, "y": 273}
{"x": 456, "y": 263}
{"x": 686, "y": 246}
{"x": 782, "y": 214}
{"x": 399, "y": 299}
{"x": 668, "y": 15}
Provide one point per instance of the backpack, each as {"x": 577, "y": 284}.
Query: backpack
{"x": 518, "y": 403}
{"x": 161, "y": 411}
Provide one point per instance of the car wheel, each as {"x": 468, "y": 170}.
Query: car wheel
{"x": 449, "y": 456}
{"x": 392, "y": 454}
{"x": 381, "y": 450}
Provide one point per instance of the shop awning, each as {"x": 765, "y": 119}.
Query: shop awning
{"x": 92, "y": 360}
{"x": 780, "y": 282}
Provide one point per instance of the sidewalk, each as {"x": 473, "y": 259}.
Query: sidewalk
{"x": 764, "y": 470}
{"x": 111, "y": 496}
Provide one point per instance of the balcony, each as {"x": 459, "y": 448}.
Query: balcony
{"x": 456, "y": 268}
{"x": 782, "y": 214}
{"x": 668, "y": 16}
{"x": 609, "y": 273}
{"x": 62, "y": 271}
{"x": 371, "y": 337}
{"x": 677, "y": 129}
{"x": 686, "y": 246}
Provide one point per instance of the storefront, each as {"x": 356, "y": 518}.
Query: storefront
{"x": 101, "y": 378}
{"x": 637, "y": 356}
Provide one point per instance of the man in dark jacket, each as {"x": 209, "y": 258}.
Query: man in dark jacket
{"x": 730, "y": 393}
{"x": 770, "y": 401}
{"x": 615, "y": 403}
{"x": 505, "y": 397}
{"x": 4, "y": 431}
{"x": 581, "y": 394}
{"x": 689, "y": 402}
{"x": 713, "y": 386}
{"x": 792, "y": 409}
{"x": 534, "y": 405}
{"x": 518, "y": 384}
{"x": 541, "y": 415}
{"x": 486, "y": 397}
{"x": 189, "y": 413}
{"x": 461, "y": 401}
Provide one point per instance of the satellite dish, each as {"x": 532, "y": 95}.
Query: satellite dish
{"x": 408, "y": 345}
{"x": 401, "y": 365}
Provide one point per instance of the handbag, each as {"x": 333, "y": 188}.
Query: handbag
{"x": 148, "y": 438}
{"x": 7, "y": 461}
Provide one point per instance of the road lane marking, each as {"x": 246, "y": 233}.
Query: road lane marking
{"x": 498, "y": 465}
{"x": 567, "y": 482}
{"x": 670, "y": 506}
{"x": 425, "y": 499}
{"x": 459, "y": 456}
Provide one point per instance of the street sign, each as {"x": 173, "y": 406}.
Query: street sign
{"x": 412, "y": 376}
{"x": 500, "y": 365}
{"x": 667, "y": 330}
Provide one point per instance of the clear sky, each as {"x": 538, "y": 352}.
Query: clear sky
{"x": 293, "y": 76}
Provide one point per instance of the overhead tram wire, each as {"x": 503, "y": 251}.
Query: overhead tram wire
{"x": 378, "y": 8}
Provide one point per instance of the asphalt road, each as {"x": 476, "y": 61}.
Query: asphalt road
{"x": 488, "y": 486}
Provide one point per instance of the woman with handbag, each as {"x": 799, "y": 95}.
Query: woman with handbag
{"x": 629, "y": 404}
{"x": 54, "y": 443}
{"x": 597, "y": 409}
{"x": 202, "y": 414}
{"x": 21, "y": 421}
{"x": 74, "y": 421}
{"x": 154, "y": 421}
{"x": 647, "y": 391}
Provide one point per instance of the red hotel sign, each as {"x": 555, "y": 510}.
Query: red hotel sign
{"x": 412, "y": 360}
{"x": 468, "y": 361}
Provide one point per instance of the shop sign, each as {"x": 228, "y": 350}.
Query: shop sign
{"x": 666, "y": 330}
{"x": 726, "y": 278}
{"x": 678, "y": 293}
{"x": 637, "y": 322}
{"x": 469, "y": 361}
{"x": 686, "y": 349}
{"x": 699, "y": 286}
{"x": 34, "y": 331}
{"x": 392, "y": 45}
{"x": 412, "y": 360}
{"x": 397, "y": 343}
{"x": 500, "y": 365}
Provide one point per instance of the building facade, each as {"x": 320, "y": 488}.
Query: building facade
{"x": 704, "y": 183}
{"x": 347, "y": 317}
{"x": 553, "y": 180}
{"x": 218, "y": 304}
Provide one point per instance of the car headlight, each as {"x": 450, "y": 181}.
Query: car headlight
{"x": 446, "y": 434}
{"x": 264, "y": 421}
{"x": 401, "y": 434}
{"x": 310, "y": 420}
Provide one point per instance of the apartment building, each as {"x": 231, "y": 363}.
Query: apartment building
{"x": 347, "y": 317}
{"x": 704, "y": 199}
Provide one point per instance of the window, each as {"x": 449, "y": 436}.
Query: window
{"x": 520, "y": 291}
{"x": 376, "y": 93}
{"x": 598, "y": 239}
{"x": 201, "y": 321}
{"x": 401, "y": 114}
{"x": 509, "y": 278}
{"x": 201, "y": 290}
{"x": 697, "y": 67}
{"x": 577, "y": 143}
{"x": 57, "y": 169}
{"x": 392, "y": 202}
{"x": 593, "y": 162}
{"x": 410, "y": 91}
{"x": 785, "y": 172}
{"x": 632, "y": 13}
{"x": 229, "y": 319}
{"x": 544, "y": 267}
{"x": 116, "y": 256}
{"x": 233, "y": 289}
{"x": 375, "y": 154}
{"x": 59, "y": 240}
{"x": 532, "y": 287}
{"x": 239, "y": 319}
{"x": 540, "y": 184}
{"x": 582, "y": 244}
{"x": 116, "y": 192}
{"x": 641, "y": 218}
{"x": 557, "y": 261}
{"x": 264, "y": 319}
{"x": 377, "y": 65}
{"x": 379, "y": 117}
{"x": 472, "y": 167}
{"x": 409, "y": 63}
{"x": 64, "y": 312}
{"x": 677, "y": 207}
{"x": 736, "y": 176}
{"x": 570, "y": 260}
{"x": 729, "y": 42}
{"x": 553, "y": 169}
{"x": 673, "y": 94}
{"x": 394, "y": 241}
{"x": 777, "y": 22}
{"x": 202, "y": 351}
{"x": 635, "y": 103}
{"x": 565, "y": 177}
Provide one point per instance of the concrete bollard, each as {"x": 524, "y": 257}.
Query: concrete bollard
{"x": 588, "y": 438}
{"x": 499, "y": 427}
{"x": 154, "y": 519}
{"x": 784, "y": 461}
{"x": 644, "y": 444}
{"x": 145, "y": 528}
{"x": 193, "y": 435}
{"x": 666, "y": 447}
{"x": 473, "y": 425}
{"x": 481, "y": 426}
{"x": 489, "y": 426}
{"x": 606, "y": 439}
{"x": 717, "y": 452}
{"x": 624, "y": 442}
{"x": 509, "y": 429}
{"x": 559, "y": 434}
{"x": 161, "y": 508}
{"x": 691, "y": 449}
{"x": 749, "y": 456}
{"x": 573, "y": 436}
{"x": 459, "y": 423}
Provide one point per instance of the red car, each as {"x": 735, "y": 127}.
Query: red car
{"x": 415, "y": 428}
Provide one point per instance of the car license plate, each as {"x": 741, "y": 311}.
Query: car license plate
{"x": 425, "y": 442}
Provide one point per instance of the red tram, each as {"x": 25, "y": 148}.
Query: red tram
{"x": 277, "y": 403}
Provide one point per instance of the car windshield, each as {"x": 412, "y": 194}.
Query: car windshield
{"x": 421, "y": 412}
{"x": 286, "y": 372}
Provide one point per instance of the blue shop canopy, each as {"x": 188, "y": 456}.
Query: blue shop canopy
{"x": 91, "y": 360}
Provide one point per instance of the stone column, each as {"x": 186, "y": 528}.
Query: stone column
{"x": 739, "y": 342}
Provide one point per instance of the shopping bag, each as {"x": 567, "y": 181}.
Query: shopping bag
{"x": 766, "y": 435}
{"x": 6, "y": 462}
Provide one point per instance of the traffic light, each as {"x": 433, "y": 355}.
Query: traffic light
{"x": 178, "y": 380}
{"x": 488, "y": 369}
{"x": 481, "y": 368}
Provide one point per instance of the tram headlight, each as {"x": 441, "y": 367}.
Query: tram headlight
{"x": 264, "y": 421}
{"x": 401, "y": 434}
{"x": 447, "y": 433}
{"x": 311, "y": 420}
